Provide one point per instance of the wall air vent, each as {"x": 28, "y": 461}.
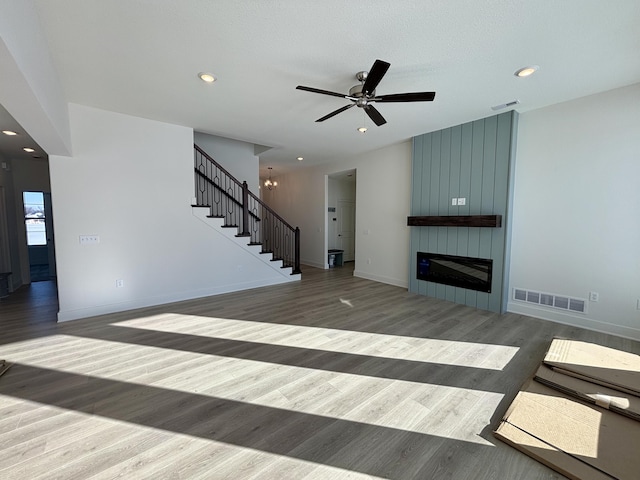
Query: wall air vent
{"x": 559, "y": 302}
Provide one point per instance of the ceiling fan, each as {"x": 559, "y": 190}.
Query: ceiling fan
{"x": 364, "y": 95}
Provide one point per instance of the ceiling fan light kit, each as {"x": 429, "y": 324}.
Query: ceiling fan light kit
{"x": 364, "y": 94}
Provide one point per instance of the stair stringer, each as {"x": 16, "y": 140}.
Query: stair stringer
{"x": 201, "y": 212}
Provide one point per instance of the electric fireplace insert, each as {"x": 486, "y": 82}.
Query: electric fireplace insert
{"x": 463, "y": 272}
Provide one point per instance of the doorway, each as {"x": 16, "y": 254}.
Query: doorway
{"x": 341, "y": 214}
{"x": 38, "y": 219}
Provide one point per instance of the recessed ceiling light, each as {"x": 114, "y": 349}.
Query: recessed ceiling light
{"x": 207, "y": 77}
{"x": 9, "y": 132}
{"x": 28, "y": 150}
{"x": 526, "y": 71}
{"x": 362, "y": 129}
{"x": 300, "y": 159}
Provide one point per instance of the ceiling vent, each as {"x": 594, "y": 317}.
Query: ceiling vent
{"x": 506, "y": 105}
{"x": 559, "y": 302}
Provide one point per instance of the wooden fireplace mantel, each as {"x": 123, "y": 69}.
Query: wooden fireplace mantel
{"x": 494, "y": 221}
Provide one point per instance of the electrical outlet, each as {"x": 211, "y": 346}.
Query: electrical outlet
{"x": 119, "y": 283}
{"x": 454, "y": 201}
{"x": 594, "y": 296}
{"x": 462, "y": 201}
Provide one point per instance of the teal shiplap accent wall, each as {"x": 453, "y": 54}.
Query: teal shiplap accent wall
{"x": 469, "y": 161}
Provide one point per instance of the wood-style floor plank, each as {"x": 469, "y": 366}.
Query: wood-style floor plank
{"x": 331, "y": 377}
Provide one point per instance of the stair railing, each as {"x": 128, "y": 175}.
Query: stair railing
{"x": 231, "y": 200}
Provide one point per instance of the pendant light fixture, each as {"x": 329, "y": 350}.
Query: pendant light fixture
{"x": 268, "y": 183}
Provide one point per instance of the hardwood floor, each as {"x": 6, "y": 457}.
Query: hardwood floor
{"x": 328, "y": 378}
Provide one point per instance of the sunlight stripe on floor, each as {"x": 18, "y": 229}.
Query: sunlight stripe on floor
{"x": 385, "y": 402}
{"x": 447, "y": 352}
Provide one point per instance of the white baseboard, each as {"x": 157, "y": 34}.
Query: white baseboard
{"x": 313, "y": 264}
{"x": 67, "y": 315}
{"x": 382, "y": 279}
{"x": 574, "y": 320}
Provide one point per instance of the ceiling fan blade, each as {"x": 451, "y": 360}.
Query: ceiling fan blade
{"x": 374, "y": 76}
{"x": 406, "y": 97}
{"x": 336, "y": 112}
{"x": 323, "y": 92}
{"x": 374, "y": 115}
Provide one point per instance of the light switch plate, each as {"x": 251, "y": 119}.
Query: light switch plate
{"x": 89, "y": 239}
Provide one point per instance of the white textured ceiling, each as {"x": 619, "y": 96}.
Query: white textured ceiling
{"x": 141, "y": 57}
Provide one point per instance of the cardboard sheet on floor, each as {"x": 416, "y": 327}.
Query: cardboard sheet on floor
{"x": 620, "y": 402}
{"x": 579, "y": 440}
{"x": 597, "y": 364}
{"x": 550, "y": 456}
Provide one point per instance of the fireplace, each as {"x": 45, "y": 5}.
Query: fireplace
{"x": 463, "y": 272}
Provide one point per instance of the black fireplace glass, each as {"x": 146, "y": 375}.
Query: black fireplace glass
{"x": 464, "y": 272}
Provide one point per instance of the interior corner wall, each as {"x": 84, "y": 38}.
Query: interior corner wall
{"x": 576, "y": 215}
{"x": 130, "y": 182}
{"x": 237, "y": 157}
{"x": 382, "y": 207}
{"x": 468, "y": 161}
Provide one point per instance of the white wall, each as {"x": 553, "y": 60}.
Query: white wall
{"x": 30, "y": 90}
{"x": 236, "y": 157}
{"x": 382, "y": 207}
{"x": 131, "y": 182}
{"x": 576, "y": 216}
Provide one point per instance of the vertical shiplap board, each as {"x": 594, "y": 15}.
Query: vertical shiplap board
{"x": 504, "y": 151}
{"x": 504, "y": 139}
{"x": 434, "y": 192}
{"x": 454, "y": 190}
{"x": 416, "y": 205}
{"x": 467, "y": 161}
{"x": 443, "y": 200}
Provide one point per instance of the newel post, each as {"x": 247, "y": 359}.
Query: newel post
{"x": 296, "y": 267}
{"x": 245, "y": 209}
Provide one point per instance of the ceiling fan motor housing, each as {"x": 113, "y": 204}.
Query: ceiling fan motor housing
{"x": 356, "y": 91}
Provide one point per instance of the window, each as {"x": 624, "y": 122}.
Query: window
{"x": 34, "y": 218}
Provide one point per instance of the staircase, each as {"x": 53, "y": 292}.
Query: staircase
{"x": 228, "y": 206}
